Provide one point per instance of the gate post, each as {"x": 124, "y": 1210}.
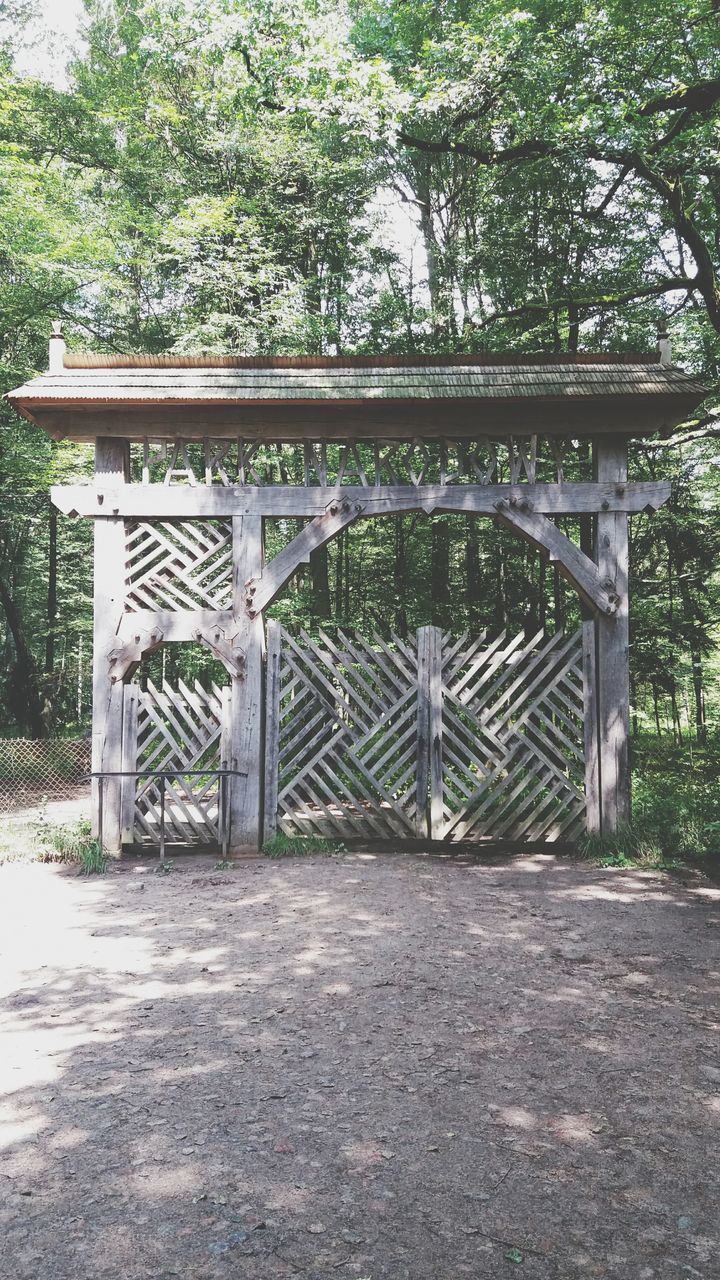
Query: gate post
{"x": 612, "y": 635}
{"x": 245, "y": 729}
{"x": 112, "y": 467}
{"x": 590, "y": 721}
{"x": 429, "y": 803}
{"x": 272, "y": 728}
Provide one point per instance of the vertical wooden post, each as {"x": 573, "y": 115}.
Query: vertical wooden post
{"x": 245, "y": 738}
{"x": 422, "y": 815}
{"x": 590, "y": 716}
{"x": 429, "y": 820}
{"x": 612, "y": 633}
{"x": 128, "y": 787}
{"x": 272, "y": 728}
{"x": 112, "y": 468}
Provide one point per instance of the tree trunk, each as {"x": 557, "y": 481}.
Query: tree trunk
{"x": 472, "y": 571}
{"x": 400, "y": 577}
{"x": 440, "y": 605}
{"x": 699, "y": 690}
{"x": 51, "y": 593}
{"x": 320, "y": 579}
{"x": 28, "y": 697}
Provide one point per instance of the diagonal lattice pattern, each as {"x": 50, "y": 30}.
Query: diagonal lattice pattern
{"x": 509, "y": 728}
{"x": 512, "y": 738}
{"x": 178, "y": 564}
{"x": 179, "y": 729}
{"x": 347, "y": 736}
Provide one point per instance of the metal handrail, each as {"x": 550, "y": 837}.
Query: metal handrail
{"x": 163, "y": 774}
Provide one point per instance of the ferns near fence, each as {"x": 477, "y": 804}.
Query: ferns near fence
{"x": 33, "y": 770}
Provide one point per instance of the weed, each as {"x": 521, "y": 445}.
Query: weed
{"x": 69, "y": 842}
{"x": 165, "y": 867}
{"x": 93, "y": 861}
{"x": 225, "y": 865}
{"x": 297, "y": 846}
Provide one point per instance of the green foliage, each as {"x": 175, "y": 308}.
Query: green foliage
{"x": 164, "y": 867}
{"x": 227, "y": 177}
{"x": 70, "y": 842}
{"x": 282, "y": 846}
{"x": 676, "y": 808}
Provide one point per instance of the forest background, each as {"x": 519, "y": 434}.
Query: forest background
{"x": 306, "y": 176}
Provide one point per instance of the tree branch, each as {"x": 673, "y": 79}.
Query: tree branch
{"x": 695, "y": 97}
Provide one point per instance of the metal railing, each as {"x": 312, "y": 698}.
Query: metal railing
{"x": 163, "y": 774}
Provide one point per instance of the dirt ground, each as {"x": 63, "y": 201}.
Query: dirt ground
{"x": 359, "y": 1067}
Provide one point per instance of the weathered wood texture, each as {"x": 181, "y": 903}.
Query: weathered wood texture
{"x": 112, "y": 463}
{"x": 452, "y": 739}
{"x": 181, "y": 564}
{"x": 246, "y": 709}
{"x": 590, "y": 712}
{"x": 579, "y": 570}
{"x": 347, "y": 729}
{"x": 295, "y": 423}
{"x": 272, "y": 729}
{"x": 513, "y": 740}
{"x": 161, "y": 502}
{"x": 175, "y": 729}
{"x": 264, "y": 589}
{"x": 613, "y": 643}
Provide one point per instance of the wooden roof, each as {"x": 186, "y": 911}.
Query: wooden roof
{"x": 302, "y": 396}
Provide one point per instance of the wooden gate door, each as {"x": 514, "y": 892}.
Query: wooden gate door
{"x": 451, "y": 739}
{"x": 507, "y": 738}
{"x": 341, "y": 735}
{"x": 173, "y": 729}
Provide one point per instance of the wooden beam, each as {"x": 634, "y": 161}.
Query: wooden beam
{"x": 632, "y": 415}
{"x": 112, "y": 464}
{"x": 245, "y": 732}
{"x": 597, "y": 589}
{"x": 223, "y": 643}
{"x": 160, "y": 501}
{"x": 124, "y": 659}
{"x": 272, "y": 728}
{"x": 263, "y": 590}
{"x": 176, "y": 627}
{"x": 590, "y": 709}
{"x": 429, "y": 817}
{"x": 613, "y": 644}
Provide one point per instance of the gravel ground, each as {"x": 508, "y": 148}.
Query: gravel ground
{"x": 364, "y": 1067}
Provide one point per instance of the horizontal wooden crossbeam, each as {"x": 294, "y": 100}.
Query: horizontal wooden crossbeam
{"x": 158, "y": 501}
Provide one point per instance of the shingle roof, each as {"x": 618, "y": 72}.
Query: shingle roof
{"x": 257, "y": 382}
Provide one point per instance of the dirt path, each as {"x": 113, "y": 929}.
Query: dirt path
{"x": 386, "y": 1068}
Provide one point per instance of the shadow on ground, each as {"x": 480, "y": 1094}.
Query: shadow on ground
{"x": 359, "y": 1067}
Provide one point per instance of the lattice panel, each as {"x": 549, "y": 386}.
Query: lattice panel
{"x": 512, "y": 738}
{"x": 178, "y": 564}
{"x": 347, "y": 736}
{"x": 179, "y": 729}
{"x": 506, "y": 723}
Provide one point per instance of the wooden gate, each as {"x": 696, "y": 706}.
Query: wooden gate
{"x": 341, "y": 735}
{"x": 436, "y": 737}
{"x": 173, "y": 729}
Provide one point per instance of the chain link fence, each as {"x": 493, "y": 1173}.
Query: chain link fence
{"x": 35, "y": 770}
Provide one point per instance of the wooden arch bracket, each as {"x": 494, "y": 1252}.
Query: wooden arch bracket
{"x": 223, "y": 643}
{"x": 260, "y": 592}
{"x": 579, "y": 569}
{"x": 127, "y": 657}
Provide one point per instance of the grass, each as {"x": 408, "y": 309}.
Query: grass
{"x": 70, "y": 842}
{"x": 282, "y": 846}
